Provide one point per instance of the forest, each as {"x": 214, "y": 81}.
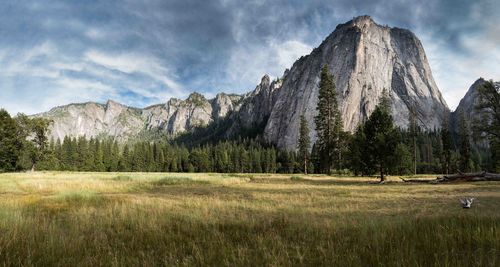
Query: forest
{"x": 377, "y": 146}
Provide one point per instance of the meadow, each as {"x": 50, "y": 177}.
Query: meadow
{"x": 179, "y": 219}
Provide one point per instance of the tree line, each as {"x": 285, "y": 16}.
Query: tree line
{"x": 376, "y": 147}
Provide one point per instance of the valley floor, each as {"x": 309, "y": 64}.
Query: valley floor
{"x": 145, "y": 219}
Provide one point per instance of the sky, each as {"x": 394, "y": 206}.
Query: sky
{"x": 143, "y": 52}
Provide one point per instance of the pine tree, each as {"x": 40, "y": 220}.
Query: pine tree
{"x": 174, "y": 167}
{"x": 356, "y": 151}
{"x": 98, "y": 158}
{"x": 413, "y": 127}
{"x": 304, "y": 143}
{"x": 34, "y": 148}
{"x": 465, "y": 146}
{"x": 10, "y": 145}
{"x": 82, "y": 153}
{"x": 123, "y": 164}
{"x": 329, "y": 125}
{"x": 256, "y": 167}
{"x": 447, "y": 147}
{"x": 381, "y": 138}
{"x": 89, "y": 161}
{"x": 403, "y": 160}
{"x": 272, "y": 157}
{"x": 488, "y": 124}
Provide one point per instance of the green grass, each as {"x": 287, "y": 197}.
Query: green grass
{"x": 163, "y": 219}
{"x": 296, "y": 178}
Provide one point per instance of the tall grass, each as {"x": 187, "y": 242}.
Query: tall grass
{"x": 207, "y": 219}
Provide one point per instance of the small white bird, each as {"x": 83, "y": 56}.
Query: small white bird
{"x": 466, "y": 202}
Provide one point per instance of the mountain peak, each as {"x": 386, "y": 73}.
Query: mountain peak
{"x": 361, "y": 21}
{"x": 265, "y": 79}
{"x": 195, "y": 96}
{"x": 111, "y": 102}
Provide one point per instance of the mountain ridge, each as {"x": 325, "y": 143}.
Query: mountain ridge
{"x": 364, "y": 57}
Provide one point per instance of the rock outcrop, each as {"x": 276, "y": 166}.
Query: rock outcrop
{"x": 123, "y": 123}
{"x": 365, "y": 59}
{"x": 467, "y": 103}
{"x": 256, "y": 106}
{"x": 466, "y": 107}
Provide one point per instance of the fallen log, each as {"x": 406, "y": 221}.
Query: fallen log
{"x": 464, "y": 175}
{"x": 415, "y": 181}
{"x": 460, "y": 177}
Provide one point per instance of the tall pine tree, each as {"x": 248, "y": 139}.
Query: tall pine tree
{"x": 329, "y": 125}
{"x": 10, "y": 145}
{"x": 447, "y": 147}
{"x": 304, "y": 143}
{"x": 465, "y": 146}
{"x": 381, "y": 138}
{"x": 488, "y": 125}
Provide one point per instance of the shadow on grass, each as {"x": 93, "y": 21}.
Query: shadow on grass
{"x": 66, "y": 202}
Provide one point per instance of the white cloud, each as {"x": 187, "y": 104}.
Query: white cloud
{"x": 133, "y": 63}
{"x": 455, "y": 71}
{"x": 20, "y": 63}
{"x": 41, "y": 77}
{"x": 248, "y": 64}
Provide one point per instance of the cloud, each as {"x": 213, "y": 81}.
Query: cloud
{"x": 250, "y": 63}
{"x": 132, "y": 63}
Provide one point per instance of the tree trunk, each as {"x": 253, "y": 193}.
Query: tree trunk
{"x": 305, "y": 166}
{"x": 382, "y": 178}
{"x": 33, "y": 167}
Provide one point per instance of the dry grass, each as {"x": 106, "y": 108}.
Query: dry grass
{"x": 116, "y": 219}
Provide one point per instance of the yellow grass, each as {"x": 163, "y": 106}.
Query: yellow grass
{"x": 116, "y": 219}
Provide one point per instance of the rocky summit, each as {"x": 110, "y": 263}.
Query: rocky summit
{"x": 467, "y": 106}
{"x": 364, "y": 57}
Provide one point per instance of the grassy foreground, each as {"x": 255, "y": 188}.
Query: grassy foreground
{"x": 136, "y": 219}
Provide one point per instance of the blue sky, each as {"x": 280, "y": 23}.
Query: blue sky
{"x": 143, "y": 52}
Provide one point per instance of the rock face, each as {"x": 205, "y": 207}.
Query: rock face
{"x": 256, "y": 106}
{"x": 365, "y": 59}
{"x": 93, "y": 120}
{"x": 122, "y": 122}
{"x": 467, "y": 103}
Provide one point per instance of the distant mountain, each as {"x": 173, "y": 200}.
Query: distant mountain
{"x": 467, "y": 105}
{"x": 124, "y": 123}
{"x": 365, "y": 59}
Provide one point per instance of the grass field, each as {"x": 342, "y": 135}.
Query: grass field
{"x": 138, "y": 219}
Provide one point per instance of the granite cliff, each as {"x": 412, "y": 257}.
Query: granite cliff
{"x": 365, "y": 59}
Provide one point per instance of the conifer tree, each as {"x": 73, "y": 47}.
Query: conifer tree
{"x": 403, "y": 160}
{"x": 465, "y": 146}
{"x": 329, "y": 125}
{"x": 10, "y": 145}
{"x": 98, "y": 158}
{"x": 488, "y": 124}
{"x": 304, "y": 143}
{"x": 381, "y": 138}
{"x": 413, "y": 127}
{"x": 34, "y": 148}
{"x": 447, "y": 147}
{"x": 123, "y": 164}
{"x": 356, "y": 151}
{"x": 256, "y": 167}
